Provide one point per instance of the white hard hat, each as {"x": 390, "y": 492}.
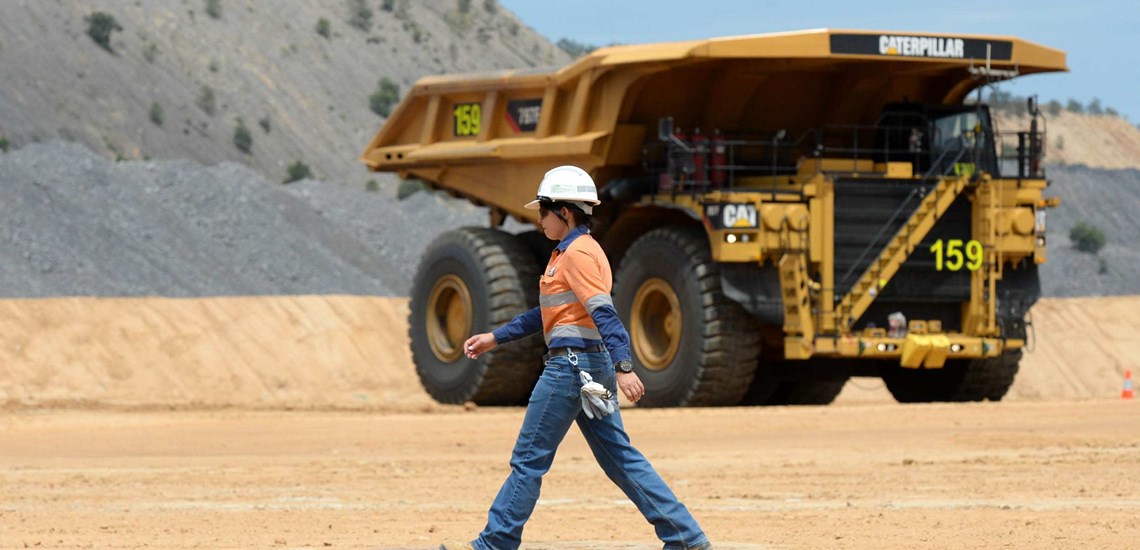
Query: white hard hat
{"x": 567, "y": 184}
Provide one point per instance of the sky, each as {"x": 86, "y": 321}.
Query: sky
{"x": 1097, "y": 35}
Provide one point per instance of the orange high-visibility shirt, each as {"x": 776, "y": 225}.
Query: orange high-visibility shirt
{"x": 575, "y": 306}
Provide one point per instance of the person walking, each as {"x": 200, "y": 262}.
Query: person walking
{"x": 588, "y": 360}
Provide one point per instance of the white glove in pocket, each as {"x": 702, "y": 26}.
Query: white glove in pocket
{"x": 597, "y": 401}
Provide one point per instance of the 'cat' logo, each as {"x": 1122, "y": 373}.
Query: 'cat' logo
{"x": 740, "y": 215}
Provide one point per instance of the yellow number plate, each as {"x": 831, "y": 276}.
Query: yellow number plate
{"x": 955, "y": 254}
{"x": 468, "y": 119}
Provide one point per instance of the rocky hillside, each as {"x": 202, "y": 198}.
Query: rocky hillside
{"x": 181, "y": 76}
{"x": 188, "y": 213}
{"x": 93, "y": 227}
{"x": 1108, "y": 201}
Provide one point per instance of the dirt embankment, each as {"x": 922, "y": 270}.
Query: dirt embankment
{"x": 303, "y": 351}
{"x": 350, "y": 352}
{"x": 1108, "y": 142}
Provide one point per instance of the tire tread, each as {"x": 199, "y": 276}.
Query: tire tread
{"x": 507, "y": 374}
{"x": 730, "y": 342}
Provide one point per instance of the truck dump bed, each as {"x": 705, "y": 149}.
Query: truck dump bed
{"x": 599, "y": 111}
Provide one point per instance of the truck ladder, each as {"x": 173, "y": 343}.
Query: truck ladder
{"x": 879, "y": 273}
{"x": 980, "y": 318}
{"x": 799, "y": 327}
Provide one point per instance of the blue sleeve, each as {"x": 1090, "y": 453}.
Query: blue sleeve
{"x": 524, "y": 324}
{"x": 613, "y": 332}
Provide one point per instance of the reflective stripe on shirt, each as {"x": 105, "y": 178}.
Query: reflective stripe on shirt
{"x": 573, "y": 331}
{"x": 559, "y": 299}
{"x": 575, "y": 308}
{"x": 599, "y": 301}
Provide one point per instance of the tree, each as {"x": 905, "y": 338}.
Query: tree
{"x": 1017, "y": 106}
{"x": 1094, "y": 107}
{"x": 298, "y": 171}
{"x": 409, "y": 187}
{"x": 156, "y": 113}
{"x": 999, "y": 98}
{"x": 243, "y": 139}
{"x": 359, "y": 15}
{"x": 1053, "y": 107}
{"x": 1087, "y": 237}
{"x": 574, "y": 48}
{"x": 206, "y": 100}
{"x": 150, "y": 52}
{"x": 214, "y": 8}
{"x": 385, "y": 96}
{"x": 100, "y": 25}
{"x": 323, "y": 27}
{"x": 1074, "y": 106}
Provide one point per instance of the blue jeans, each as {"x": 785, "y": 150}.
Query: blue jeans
{"x": 554, "y": 404}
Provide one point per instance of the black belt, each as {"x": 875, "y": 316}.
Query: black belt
{"x": 559, "y": 352}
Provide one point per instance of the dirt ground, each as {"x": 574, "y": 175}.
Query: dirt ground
{"x": 298, "y": 422}
{"x": 1018, "y": 475}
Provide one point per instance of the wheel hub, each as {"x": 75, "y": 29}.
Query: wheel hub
{"x": 655, "y": 324}
{"x": 449, "y": 318}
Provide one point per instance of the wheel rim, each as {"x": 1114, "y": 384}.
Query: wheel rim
{"x": 449, "y": 318}
{"x": 656, "y": 324}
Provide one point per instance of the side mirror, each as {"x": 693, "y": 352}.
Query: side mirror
{"x": 665, "y": 128}
{"x": 1031, "y": 105}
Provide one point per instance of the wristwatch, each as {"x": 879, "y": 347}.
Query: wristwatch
{"x": 625, "y": 365}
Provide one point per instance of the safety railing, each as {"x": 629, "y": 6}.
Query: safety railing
{"x": 1021, "y": 154}
{"x": 696, "y": 163}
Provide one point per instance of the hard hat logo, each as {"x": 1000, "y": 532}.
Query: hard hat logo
{"x": 567, "y": 184}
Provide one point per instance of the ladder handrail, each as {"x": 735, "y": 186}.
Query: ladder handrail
{"x": 857, "y": 293}
{"x": 875, "y": 240}
{"x": 894, "y": 216}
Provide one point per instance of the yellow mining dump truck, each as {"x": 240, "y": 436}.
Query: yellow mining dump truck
{"x": 783, "y": 212}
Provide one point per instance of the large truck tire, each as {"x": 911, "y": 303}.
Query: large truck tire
{"x": 472, "y": 280}
{"x": 539, "y": 246}
{"x": 691, "y": 345}
{"x": 807, "y": 392}
{"x": 773, "y": 385}
{"x": 957, "y": 381}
